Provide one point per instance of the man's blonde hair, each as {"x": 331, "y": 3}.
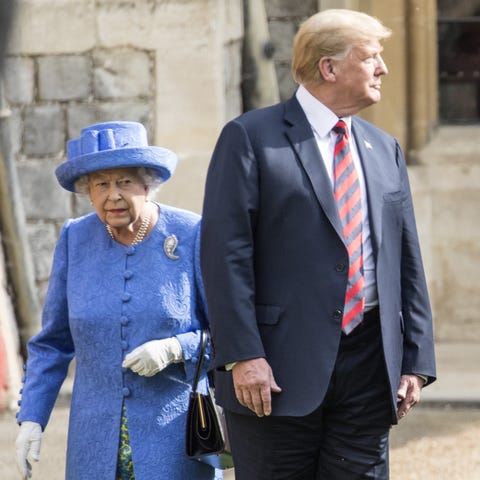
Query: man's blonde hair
{"x": 331, "y": 33}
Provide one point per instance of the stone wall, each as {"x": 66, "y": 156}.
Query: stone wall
{"x": 52, "y": 97}
{"x": 172, "y": 65}
{"x": 446, "y": 191}
{"x": 175, "y": 65}
{"x": 284, "y": 19}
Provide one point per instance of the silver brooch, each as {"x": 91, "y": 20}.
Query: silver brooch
{"x": 170, "y": 245}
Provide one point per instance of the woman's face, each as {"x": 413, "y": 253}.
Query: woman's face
{"x": 118, "y": 196}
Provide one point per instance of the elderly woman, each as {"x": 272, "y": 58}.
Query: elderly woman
{"x": 125, "y": 299}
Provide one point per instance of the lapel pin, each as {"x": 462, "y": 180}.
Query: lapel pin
{"x": 169, "y": 246}
{"x": 368, "y": 145}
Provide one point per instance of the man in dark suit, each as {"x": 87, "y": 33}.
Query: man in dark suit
{"x": 317, "y": 299}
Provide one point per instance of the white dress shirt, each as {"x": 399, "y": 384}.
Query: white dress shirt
{"x": 322, "y": 120}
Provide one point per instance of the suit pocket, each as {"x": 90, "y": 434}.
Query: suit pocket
{"x": 393, "y": 197}
{"x": 268, "y": 314}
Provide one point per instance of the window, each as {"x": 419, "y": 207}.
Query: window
{"x": 459, "y": 61}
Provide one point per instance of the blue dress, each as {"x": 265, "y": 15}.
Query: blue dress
{"x": 105, "y": 299}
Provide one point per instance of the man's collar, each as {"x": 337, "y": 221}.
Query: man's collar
{"x": 320, "y": 117}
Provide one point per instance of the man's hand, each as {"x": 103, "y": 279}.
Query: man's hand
{"x": 254, "y": 382}
{"x": 408, "y": 393}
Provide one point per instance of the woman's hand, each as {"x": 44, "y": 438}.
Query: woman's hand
{"x": 152, "y": 357}
{"x": 28, "y": 445}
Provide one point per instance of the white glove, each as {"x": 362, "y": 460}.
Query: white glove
{"x": 28, "y": 445}
{"x": 152, "y": 357}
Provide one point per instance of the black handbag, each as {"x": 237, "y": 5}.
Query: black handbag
{"x": 206, "y": 435}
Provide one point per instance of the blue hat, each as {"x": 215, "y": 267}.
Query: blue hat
{"x": 113, "y": 145}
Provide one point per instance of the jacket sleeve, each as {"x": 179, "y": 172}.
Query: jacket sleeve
{"x": 52, "y": 349}
{"x": 190, "y": 341}
{"x": 227, "y": 246}
{"x": 418, "y": 357}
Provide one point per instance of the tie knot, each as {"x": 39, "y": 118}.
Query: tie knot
{"x": 340, "y": 127}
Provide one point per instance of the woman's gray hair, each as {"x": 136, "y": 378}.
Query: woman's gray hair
{"x": 331, "y": 33}
{"x": 148, "y": 175}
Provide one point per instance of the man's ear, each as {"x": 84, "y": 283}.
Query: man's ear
{"x": 326, "y": 68}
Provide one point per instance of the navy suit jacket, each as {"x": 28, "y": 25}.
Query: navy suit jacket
{"x": 275, "y": 265}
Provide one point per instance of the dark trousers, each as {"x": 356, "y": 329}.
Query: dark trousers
{"x": 346, "y": 438}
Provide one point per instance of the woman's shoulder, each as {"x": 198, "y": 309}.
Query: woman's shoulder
{"x": 88, "y": 219}
{"x": 179, "y": 216}
{"x": 85, "y": 223}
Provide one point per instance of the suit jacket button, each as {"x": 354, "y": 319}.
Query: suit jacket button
{"x": 337, "y": 314}
{"x": 339, "y": 267}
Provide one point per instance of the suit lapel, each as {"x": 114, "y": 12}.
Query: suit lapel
{"x": 303, "y": 142}
{"x": 370, "y": 158}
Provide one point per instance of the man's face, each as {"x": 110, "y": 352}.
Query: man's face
{"x": 358, "y": 76}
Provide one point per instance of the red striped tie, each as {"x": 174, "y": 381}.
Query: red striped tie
{"x": 347, "y": 195}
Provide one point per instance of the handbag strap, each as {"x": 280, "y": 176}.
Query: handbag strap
{"x": 201, "y": 354}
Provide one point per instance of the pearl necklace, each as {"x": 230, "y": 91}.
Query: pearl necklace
{"x": 140, "y": 235}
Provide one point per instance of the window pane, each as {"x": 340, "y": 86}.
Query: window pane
{"x": 459, "y": 61}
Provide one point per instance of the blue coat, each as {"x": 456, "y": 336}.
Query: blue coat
{"x": 273, "y": 257}
{"x": 104, "y": 300}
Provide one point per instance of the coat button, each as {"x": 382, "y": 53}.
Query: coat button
{"x": 124, "y": 321}
{"x": 125, "y": 391}
{"x": 124, "y": 346}
{"x": 126, "y": 297}
{"x": 339, "y": 267}
{"x": 337, "y": 314}
{"x": 127, "y": 274}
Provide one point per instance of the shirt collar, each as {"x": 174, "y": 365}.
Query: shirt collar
{"x": 320, "y": 117}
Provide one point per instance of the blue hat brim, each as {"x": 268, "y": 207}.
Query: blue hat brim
{"x": 160, "y": 160}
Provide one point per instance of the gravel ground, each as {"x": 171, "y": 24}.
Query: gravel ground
{"x": 437, "y": 444}
{"x": 429, "y": 444}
